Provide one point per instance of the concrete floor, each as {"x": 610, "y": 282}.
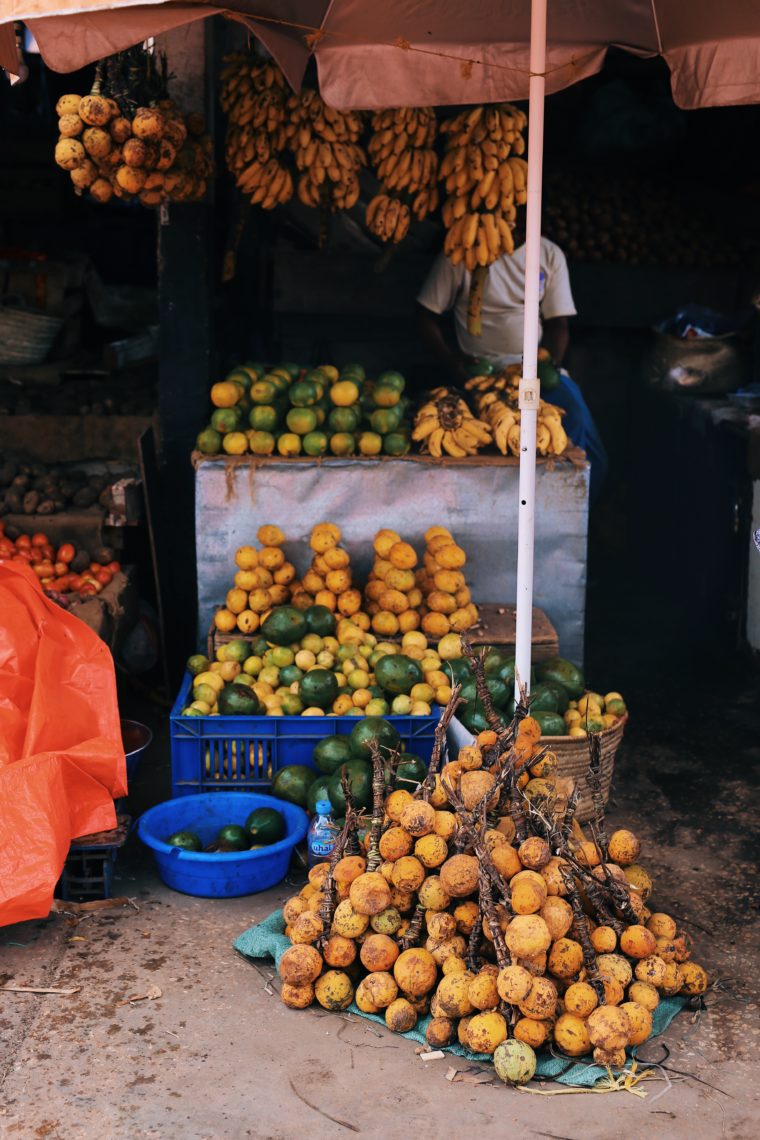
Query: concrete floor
{"x": 217, "y": 1057}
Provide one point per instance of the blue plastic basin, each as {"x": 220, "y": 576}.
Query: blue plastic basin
{"x": 219, "y": 876}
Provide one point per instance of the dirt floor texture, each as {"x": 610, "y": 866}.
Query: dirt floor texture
{"x": 170, "y": 1034}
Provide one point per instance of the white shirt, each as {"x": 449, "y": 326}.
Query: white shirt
{"x": 448, "y": 287}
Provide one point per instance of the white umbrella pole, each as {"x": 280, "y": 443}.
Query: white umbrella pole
{"x": 529, "y": 386}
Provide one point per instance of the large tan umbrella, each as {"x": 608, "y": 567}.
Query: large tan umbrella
{"x": 433, "y": 51}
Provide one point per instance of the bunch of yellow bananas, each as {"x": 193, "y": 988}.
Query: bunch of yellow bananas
{"x": 325, "y": 145}
{"x": 253, "y": 97}
{"x": 401, "y": 151}
{"x": 496, "y": 400}
{"x": 485, "y": 179}
{"x": 445, "y": 423}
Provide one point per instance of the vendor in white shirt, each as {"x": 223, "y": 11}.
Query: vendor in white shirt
{"x": 447, "y": 288}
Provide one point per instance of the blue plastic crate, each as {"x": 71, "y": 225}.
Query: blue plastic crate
{"x": 245, "y": 753}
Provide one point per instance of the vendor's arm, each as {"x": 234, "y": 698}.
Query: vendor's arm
{"x": 437, "y": 296}
{"x": 431, "y": 332}
{"x": 556, "y": 338}
{"x": 557, "y": 304}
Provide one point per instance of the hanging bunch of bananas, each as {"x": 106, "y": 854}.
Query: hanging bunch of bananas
{"x": 485, "y": 180}
{"x": 324, "y": 143}
{"x": 497, "y": 402}
{"x": 401, "y": 152}
{"x": 445, "y": 423}
{"x": 253, "y": 97}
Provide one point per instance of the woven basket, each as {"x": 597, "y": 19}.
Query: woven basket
{"x": 572, "y": 752}
{"x": 26, "y": 337}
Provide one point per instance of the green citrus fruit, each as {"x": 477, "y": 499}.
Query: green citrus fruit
{"x": 342, "y": 443}
{"x": 209, "y": 441}
{"x": 263, "y": 391}
{"x": 289, "y": 444}
{"x": 301, "y": 420}
{"x": 263, "y": 417}
{"x": 396, "y": 443}
{"x": 343, "y": 419}
{"x": 315, "y": 443}
{"x": 225, "y": 419}
{"x": 384, "y": 420}
{"x": 370, "y": 443}
{"x": 261, "y": 442}
{"x": 303, "y": 393}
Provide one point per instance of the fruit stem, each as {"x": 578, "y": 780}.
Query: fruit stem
{"x": 475, "y": 302}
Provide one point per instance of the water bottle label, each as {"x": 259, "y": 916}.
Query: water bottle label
{"x": 322, "y": 847}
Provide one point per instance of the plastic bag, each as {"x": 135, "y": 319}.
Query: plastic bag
{"x": 61, "y": 757}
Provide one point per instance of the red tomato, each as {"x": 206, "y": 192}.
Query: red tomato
{"x": 7, "y": 549}
{"x": 49, "y": 552}
{"x": 61, "y": 568}
{"x": 94, "y": 567}
{"x": 63, "y": 583}
{"x": 21, "y": 556}
{"x": 114, "y": 567}
{"x": 103, "y": 576}
{"x": 89, "y": 589}
{"x": 36, "y": 557}
{"x": 44, "y": 570}
{"x": 23, "y": 542}
{"x": 66, "y": 553}
{"x": 40, "y": 539}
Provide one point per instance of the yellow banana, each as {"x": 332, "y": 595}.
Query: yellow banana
{"x": 543, "y": 438}
{"x": 423, "y": 427}
{"x": 470, "y": 231}
{"x": 434, "y": 442}
{"x": 451, "y": 446}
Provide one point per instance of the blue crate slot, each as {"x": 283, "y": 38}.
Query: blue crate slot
{"x": 245, "y": 753}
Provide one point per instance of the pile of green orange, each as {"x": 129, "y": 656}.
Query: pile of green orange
{"x": 290, "y": 411}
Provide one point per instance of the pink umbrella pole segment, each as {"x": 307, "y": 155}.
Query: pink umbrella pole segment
{"x": 529, "y": 384}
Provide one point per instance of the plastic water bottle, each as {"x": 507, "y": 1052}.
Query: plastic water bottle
{"x": 323, "y": 833}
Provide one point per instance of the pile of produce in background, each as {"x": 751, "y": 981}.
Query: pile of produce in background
{"x": 46, "y": 489}
{"x": 62, "y": 570}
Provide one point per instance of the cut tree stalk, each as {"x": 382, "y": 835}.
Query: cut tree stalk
{"x": 475, "y": 302}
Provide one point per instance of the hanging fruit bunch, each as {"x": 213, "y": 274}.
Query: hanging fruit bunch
{"x": 253, "y": 97}
{"x": 127, "y": 139}
{"x": 445, "y": 423}
{"x": 497, "y": 402}
{"x": 486, "y": 180}
{"x": 325, "y": 144}
{"x": 401, "y": 152}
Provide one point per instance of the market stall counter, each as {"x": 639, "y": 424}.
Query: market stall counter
{"x": 476, "y": 497}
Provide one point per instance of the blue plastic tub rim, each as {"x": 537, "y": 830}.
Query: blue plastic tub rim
{"x": 300, "y": 820}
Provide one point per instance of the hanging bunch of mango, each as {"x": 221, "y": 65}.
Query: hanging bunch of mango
{"x": 127, "y": 139}
{"x": 485, "y": 180}
{"x": 402, "y": 155}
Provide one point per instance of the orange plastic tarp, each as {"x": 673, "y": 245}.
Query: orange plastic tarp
{"x": 61, "y": 757}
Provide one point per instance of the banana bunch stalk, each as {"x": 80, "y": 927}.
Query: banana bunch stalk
{"x": 496, "y": 402}
{"x": 446, "y": 424}
{"x": 484, "y": 177}
{"x": 253, "y": 97}
{"x": 401, "y": 152}
{"x": 324, "y": 142}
